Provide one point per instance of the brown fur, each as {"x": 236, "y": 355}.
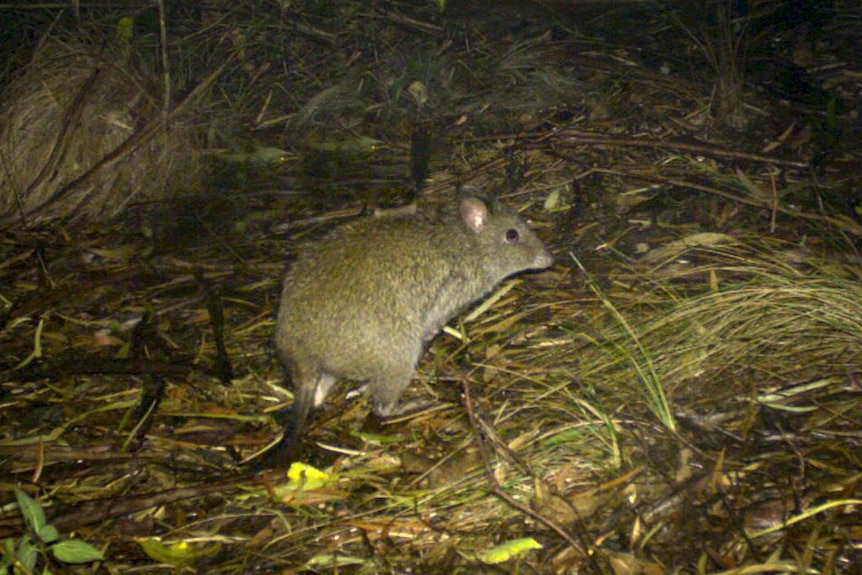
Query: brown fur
{"x": 361, "y": 303}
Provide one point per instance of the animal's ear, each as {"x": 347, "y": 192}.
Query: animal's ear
{"x": 474, "y": 212}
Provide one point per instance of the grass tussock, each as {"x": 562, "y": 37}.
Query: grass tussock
{"x": 83, "y": 137}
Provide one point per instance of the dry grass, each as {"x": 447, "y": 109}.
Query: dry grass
{"x": 679, "y": 394}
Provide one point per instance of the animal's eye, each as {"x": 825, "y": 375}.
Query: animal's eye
{"x": 512, "y": 236}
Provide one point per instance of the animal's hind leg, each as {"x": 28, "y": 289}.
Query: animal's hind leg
{"x": 387, "y": 389}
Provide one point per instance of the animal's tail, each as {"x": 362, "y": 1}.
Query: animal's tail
{"x": 293, "y": 420}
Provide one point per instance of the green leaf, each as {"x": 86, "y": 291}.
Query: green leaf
{"x": 331, "y": 561}
{"x": 9, "y": 547}
{"x": 8, "y": 555}
{"x": 48, "y": 534}
{"x": 306, "y": 477}
{"x": 125, "y": 31}
{"x": 76, "y": 551}
{"x": 32, "y": 512}
{"x": 27, "y": 553}
{"x": 508, "y": 550}
{"x": 377, "y": 438}
{"x": 178, "y": 553}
